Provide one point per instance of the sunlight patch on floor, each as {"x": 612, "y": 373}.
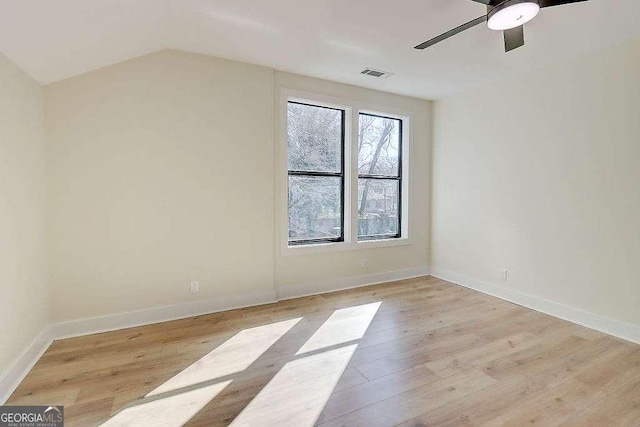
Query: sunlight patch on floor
{"x": 344, "y": 325}
{"x": 173, "y": 410}
{"x": 298, "y": 393}
{"x": 233, "y": 356}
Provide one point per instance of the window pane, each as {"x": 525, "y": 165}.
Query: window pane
{"x": 378, "y": 145}
{"x": 378, "y": 207}
{"x": 314, "y": 208}
{"x": 314, "y": 138}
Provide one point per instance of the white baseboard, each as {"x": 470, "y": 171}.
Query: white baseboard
{"x": 626, "y": 331}
{"x": 23, "y": 364}
{"x": 298, "y": 291}
{"x": 112, "y": 322}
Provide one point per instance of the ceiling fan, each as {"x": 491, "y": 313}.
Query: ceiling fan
{"x": 508, "y": 16}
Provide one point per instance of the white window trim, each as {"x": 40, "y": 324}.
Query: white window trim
{"x": 352, "y": 110}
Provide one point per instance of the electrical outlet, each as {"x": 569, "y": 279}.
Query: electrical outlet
{"x": 504, "y": 274}
{"x": 195, "y": 287}
{"x": 365, "y": 263}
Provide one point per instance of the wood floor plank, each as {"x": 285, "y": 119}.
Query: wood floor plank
{"x": 621, "y": 408}
{"x": 415, "y": 352}
{"x": 88, "y": 414}
{"x": 404, "y": 406}
{"x": 355, "y": 398}
{"x": 477, "y": 408}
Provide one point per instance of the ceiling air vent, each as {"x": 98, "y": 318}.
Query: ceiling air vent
{"x": 376, "y": 73}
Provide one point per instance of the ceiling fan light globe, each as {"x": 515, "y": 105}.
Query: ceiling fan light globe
{"x": 512, "y": 14}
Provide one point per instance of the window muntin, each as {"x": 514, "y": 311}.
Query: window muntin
{"x": 315, "y": 161}
{"x": 379, "y": 177}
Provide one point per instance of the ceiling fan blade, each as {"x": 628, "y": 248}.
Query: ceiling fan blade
{"x": 490, "y": 3}
{"x": 451, "y": 33}
{"x": 550, "y": 3}
{"x": 513, "y": 38}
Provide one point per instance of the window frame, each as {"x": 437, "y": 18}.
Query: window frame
{"x": 398, "y": 178}
{"x": 341, "y": 175}
{"x": 352, "y": 109}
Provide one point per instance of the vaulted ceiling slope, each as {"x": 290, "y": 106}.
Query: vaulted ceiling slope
{"x": 331, "y": 39}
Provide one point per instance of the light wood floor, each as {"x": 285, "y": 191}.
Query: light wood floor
{"x": 412, "y": 353}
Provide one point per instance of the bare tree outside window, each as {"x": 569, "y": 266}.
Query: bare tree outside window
{"x": 315, "y": 141}
{"x": 379, "y": 177}
{"x": 316, "y": 172}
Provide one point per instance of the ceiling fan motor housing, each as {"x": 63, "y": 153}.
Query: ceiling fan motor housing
{"x": 511, "y": 14}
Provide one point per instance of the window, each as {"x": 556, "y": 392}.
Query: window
{"x": 379, "y": 177}
{"x": 315, "y": 163}
{"x": 346, "y": 184}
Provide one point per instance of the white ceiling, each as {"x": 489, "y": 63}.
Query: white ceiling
{"x": 332, "y": 39}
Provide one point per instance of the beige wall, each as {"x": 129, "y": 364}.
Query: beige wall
{"x": 160, "y": 173}
{"x": 309, "y": 269}
{"x": 164, "y": 169}
{"x": 540, "y": 175}
{"x": 24, "y": 291}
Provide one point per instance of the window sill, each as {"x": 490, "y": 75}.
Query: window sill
{"x": 344, "y": 246}
{"x": 384, "y": 243}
